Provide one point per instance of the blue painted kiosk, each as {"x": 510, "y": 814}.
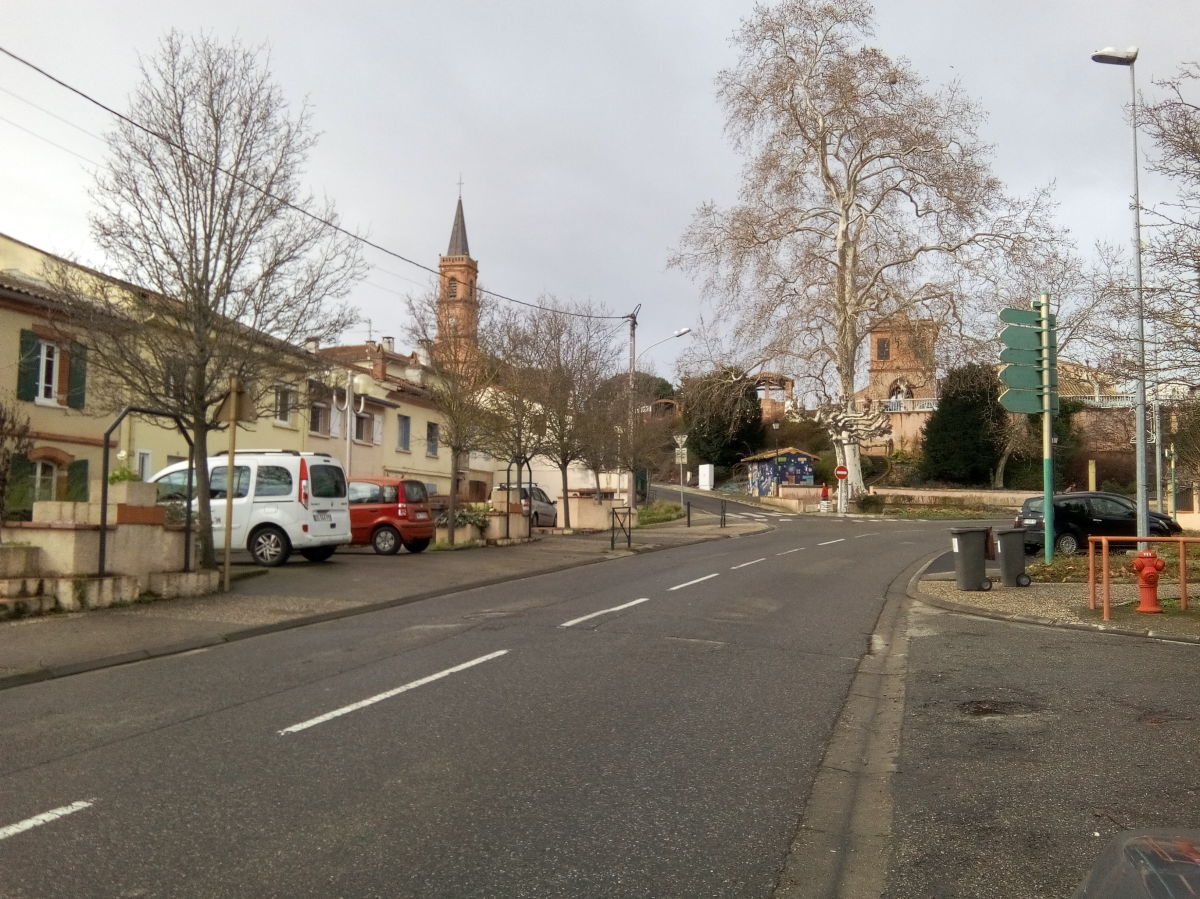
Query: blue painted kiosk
{"x": 787, "y": 466}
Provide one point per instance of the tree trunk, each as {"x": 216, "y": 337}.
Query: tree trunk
{"x": 1001, "y": 464}
{"x": 566, "y": 504}
{"x": 452, "y": 507}
{"x": 204, "y": 534}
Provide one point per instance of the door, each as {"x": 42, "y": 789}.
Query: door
{"x": 241, "y": 504}
{"x": 1112, "y": 518}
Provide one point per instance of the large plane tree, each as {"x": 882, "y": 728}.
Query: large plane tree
{"x": 865, "y": 194}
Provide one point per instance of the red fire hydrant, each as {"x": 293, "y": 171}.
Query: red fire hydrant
{"x": 1148, "y": 565}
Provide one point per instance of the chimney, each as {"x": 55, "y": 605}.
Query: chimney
{"x": 422, "y": 352}
{"x": 312, "y": 344}
{"x": 389, "y": 344}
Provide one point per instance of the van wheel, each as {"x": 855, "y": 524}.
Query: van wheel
{"x": 318, "y": 553}
{"x": 418, "y": 545}
{"x": 1067, "y": 543}
{"x": 270, "y": 547}
{"x": 386, "y": 541}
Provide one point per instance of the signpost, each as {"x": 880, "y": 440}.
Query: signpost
{"x": 1030, "y": 378}
{"x": 681, "y": 459}
{"x": 841, "y": 473}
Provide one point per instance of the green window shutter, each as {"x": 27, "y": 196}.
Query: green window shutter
{"x": 27, "y": 366}
{"x": 77, "y": 481}
{"x": 19, "y": 502}
{"x": 77, "y": 378}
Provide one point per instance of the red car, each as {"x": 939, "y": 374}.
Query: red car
{"x": 388, "y": 513}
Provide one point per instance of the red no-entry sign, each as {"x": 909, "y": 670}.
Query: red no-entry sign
{"x": 841, "y": 472}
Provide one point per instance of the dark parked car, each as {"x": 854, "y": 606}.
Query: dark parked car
{"x": 388, "y": 513}
{"x": 1078, "y": 516}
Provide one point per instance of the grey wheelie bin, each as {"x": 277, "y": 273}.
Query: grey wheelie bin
{"x": 1011, "y": 548}
{"x": 970, "y": 548}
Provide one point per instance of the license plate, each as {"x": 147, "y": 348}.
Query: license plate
{"x": 322, "y": 516}
{"x": 1030, "y": 521}
{"x": 422, "y": 516}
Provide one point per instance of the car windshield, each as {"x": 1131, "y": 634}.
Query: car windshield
{"x": 1032, "y": 507}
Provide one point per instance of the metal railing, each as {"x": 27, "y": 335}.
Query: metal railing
{"x": 1104, "y": 543}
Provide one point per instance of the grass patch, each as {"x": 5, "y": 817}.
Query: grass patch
{"x": 1074, "y": 569}
{"x": 658, "y": 512}
{"x": 945, "y": 513}
{"x": 442, "y": 546}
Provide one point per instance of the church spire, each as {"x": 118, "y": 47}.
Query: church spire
{"x": 458, "y": 234}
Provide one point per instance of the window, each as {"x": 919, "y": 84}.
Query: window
{"x": 285, "y": 403}
{"x": 361, "y": 493}
{"x": 47, "y": 383}
{"x": 883, "y": 349}
{"x": 318, "y": 418}
{"x": 273, "y": 480}
{"x": 452, "y": 287}
{"x": 143, "y": 464}
{"x": 431, "y": 439}
{"x": 415, "y": 492}
{"x": 404, "y": 435}
{"x": 50, "y": 373}
{"x": 44, "y": 474}
{"x": 173, "y": 487}
{"x": 216, "y": 482}
{"x": 363, "y": 427}
{"x": 328, "y": 481}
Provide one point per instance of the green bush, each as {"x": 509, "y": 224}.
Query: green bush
{"x": 123, "y": 474}
{"x": 658, "y": 512}
{"x": 870, "y": 503}
{"x": 470, "y": 513}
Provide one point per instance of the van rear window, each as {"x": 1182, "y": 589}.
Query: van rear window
{"x": 328, "y": 481}
{"x": 414, "y": 492}
{"x": 273, "y": 480}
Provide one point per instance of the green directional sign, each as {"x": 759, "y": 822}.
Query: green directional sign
{"x": 1030, "y": 317}
{"x": 1023, "y": 377}
{"x": 1026, "y": 377}
{"x": 1014, "y": 356}
{"x": 1021, "y": 401}
{"x": 1021, "y": 338}
{"x": 1026, "y": 401}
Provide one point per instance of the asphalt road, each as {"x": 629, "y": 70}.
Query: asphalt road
{"x": 650, "y": 726}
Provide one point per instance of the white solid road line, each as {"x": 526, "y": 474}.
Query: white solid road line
{"x": 604, "y": 612}
{"x": 867, "y": 534}
{"x": 789, "y": 551}
{"x": 744, "y": 564}
{"x": 44, "y": 818}
{"x": 696, "y": 581}
{"x": 354, "y": 707}
{"x": 838, "y": 540}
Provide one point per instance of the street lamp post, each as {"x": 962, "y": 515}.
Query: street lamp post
{"x": 1115, "y": 57}
{"x": 633, "y": 357}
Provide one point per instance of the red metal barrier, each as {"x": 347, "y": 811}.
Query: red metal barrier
{"x": 1103, "y": 543}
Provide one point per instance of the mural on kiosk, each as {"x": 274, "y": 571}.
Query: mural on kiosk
{"x": 788, "y": 466}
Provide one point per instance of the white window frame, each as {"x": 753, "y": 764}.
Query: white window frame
{"x": 45, "y": 478}
{"x": 288, "y": 395}
{"x": 49, "y": 354}
{"x": 364, "y": 427}
{"x": 321, "y": 411}
{"x": 144, "y": 468}
{"x": 403, "y": 433}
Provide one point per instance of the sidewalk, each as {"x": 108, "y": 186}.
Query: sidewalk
{"x": 262, "y": 600}
{"x": 1066, "y": 605}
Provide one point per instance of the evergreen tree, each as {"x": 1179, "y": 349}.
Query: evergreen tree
{"x": 963, "y": 439}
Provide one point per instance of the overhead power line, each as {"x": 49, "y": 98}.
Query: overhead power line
{"x": 299, "y": 209}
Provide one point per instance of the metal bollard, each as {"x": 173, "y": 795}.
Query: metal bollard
{"x": 689, "y": 513}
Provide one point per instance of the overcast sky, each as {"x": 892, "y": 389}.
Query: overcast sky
{"x": 585, "y": 133}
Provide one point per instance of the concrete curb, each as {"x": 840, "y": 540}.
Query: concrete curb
{"x": 914, "y": 592}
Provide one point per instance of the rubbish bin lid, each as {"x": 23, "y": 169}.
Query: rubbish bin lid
{"x": 1010, "y": 531}
{"x": 969, "y": 530}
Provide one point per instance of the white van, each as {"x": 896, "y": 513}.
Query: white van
{"x": 283, "y": 500}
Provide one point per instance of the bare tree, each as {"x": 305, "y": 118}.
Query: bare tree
{"x": 572, "y": 352}
{"x": 459, "y": 377}
{"x": 15, "y": 445}
{"x": 230, "y": 263}
{"x": 864, "y": 195}
{"x": 1173, "y": 249}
